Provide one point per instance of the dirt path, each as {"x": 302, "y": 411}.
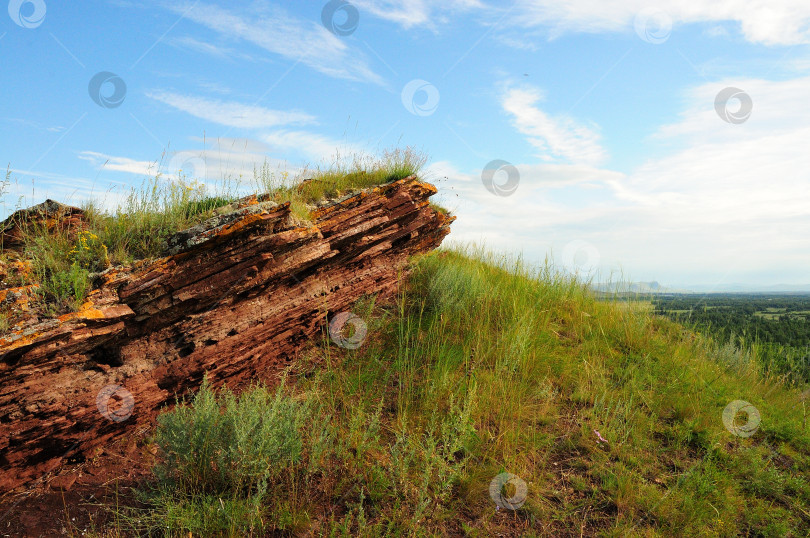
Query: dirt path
{"x": 78, "y": 497}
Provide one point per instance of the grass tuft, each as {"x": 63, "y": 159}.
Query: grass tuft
{"x": 341, "y": 177}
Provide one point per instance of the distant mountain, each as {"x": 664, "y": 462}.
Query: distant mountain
{"x": 654, "y": 287}
{"x": 748, "y": 288}
{"x": 634, "y": 287}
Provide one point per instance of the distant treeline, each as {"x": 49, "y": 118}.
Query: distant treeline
{"x": 776, "y": 327}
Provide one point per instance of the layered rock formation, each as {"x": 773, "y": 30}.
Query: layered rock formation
{"x": 47, "y": 217}
{"x": 235, "y": 297}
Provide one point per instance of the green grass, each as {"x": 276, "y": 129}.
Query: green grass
{"x": 139, "y": 227}
{"x": 221, "y": 455}
{"x": 482, "y": 366}
{"x": 342, "y": 176}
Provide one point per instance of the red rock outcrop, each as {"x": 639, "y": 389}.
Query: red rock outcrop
{"x": 49, "y": 216}
{"x": 235, "y": 297}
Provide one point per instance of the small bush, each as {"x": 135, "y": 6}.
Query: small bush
{"x": 223, "y": 446}
{"x": 224, "y": 443}
{"x": 61, "y": 266}
{"x": 89, "y": 252}
{"x": 68, "y": 287}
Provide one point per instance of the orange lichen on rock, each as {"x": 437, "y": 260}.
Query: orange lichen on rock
{"x": 15, "y": 272}
{"x": 87, "y": 311}
{"x": 17, "y": 298}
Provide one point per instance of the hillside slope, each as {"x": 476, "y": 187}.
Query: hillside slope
{"x": 613, "y": 419}
{"x": 610, "y": 422}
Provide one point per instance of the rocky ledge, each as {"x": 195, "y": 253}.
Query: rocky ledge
{"x": 236, "y": 297}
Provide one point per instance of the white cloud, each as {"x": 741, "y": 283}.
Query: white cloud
{"x": 36, "y": 125}
{"x": 214, "y": 87}
{"x": 554, "y": 137}
{"x": 211, "y": 161}
{"x": 520, "y": 42}
{"x": 778, "y": 22}
{"x": 717, "y": 31}
{"x": 311, "y": 145}
{"x": 541, "y": 218}
{"x": 271, "y": 29}
{"x": 300, "y": 143}
{"x": 410, "y": 13}
{"x": 119, "y": 164}
{"x": 731, "y": 202}
{"x": 204, "y": 47}
{"x": 749, "y": 173}
{"x": 231, "y": 113}
{"x": 232, "y": 145}
{"x": 777, "y": 106}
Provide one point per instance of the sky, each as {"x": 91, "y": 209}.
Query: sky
{"x": 624, "y": 140}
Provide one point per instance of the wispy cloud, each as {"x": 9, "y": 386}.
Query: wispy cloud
{"x": 554, "y": 137}
{"x": 272, "y": 29}
{"x": 410, "y": 13}
{"x": 311, "y": 145}
{"x": 770, "y": 23}
{"x": 119, "y": 164}
{"x": 211, "y": 49}
{"x": 727, "y": 172}
{"x": 213, "y": 160}
{"x": 36, "y": 125}
{"x": 208, "y": 163}
{"x": 270, "y": 125}
{"x": 230, "y": 113}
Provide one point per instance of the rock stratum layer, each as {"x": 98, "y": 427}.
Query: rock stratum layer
{"x": 236, "y": 297}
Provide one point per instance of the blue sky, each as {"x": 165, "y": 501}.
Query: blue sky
{"x": 626, "y": 156}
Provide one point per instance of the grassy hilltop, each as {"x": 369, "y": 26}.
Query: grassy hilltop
{"x": 609, "y": 420}
{"x": 611, "y": 417}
